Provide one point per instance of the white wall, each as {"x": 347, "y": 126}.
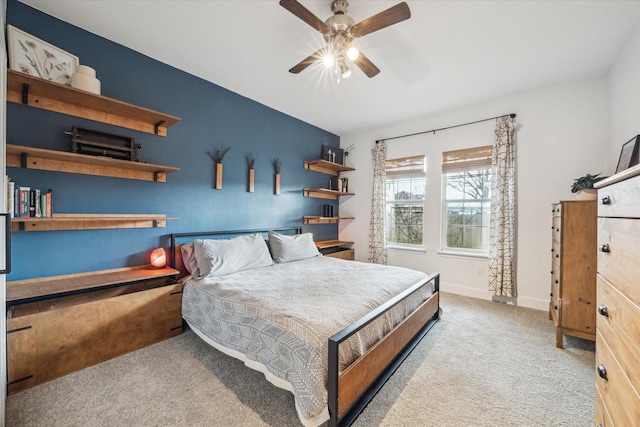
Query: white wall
{"x": 562, "y": 135}
{"x": 624, "y": 97}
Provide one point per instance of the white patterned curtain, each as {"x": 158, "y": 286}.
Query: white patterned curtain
{"x": 502, "y": 235}
{"x": 377, "y": 235}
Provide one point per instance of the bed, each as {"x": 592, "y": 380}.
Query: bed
{"x": 328, "y": 330}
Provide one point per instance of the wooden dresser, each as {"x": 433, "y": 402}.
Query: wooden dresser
{"x": 618, "y": 301}
{"x": 573, "y": 269}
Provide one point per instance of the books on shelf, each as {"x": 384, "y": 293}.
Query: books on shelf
{"x": 27, "y": 202}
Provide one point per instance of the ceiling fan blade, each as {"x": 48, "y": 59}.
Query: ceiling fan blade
{"x": 393, "y": 15}
{"x": 366, "y": 65}
{"x": 302, "y": 65}
{"x": 303, "y": 13}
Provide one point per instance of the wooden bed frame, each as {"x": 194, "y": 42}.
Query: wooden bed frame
{"x": 351, "y": 390}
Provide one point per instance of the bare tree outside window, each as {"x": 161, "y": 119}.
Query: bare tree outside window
{"x": 467, "y": 209}
{"x": 405, "y": 201}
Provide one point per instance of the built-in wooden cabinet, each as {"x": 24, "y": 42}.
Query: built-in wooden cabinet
{"x": 573, "y": 269}
{"x": 58, "y": 325}
{"x": 40, "y": 93}
{"x": 618, "y": 301}
{"x": 333, "y": 248}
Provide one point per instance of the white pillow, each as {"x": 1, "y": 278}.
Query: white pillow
{"x": 225, "y": 256}
{"x": 295, "y": 247}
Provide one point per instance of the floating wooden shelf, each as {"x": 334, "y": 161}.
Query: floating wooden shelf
{"x": 325, "y": 193}
{"x": 60, "y": 161}
{"x": 36, "y": 92}
{"x": 68, "y": 221}
{"x": 323, "y": 219}
{"x": 332, "y": 244}
{"x": 326, "y": 167}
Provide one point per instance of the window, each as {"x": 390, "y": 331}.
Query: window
{"x": 405, "y": 201}
{"x": 466, "y": 200}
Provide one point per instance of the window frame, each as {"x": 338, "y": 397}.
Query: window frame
{"x": 409, "y": 172}
{"x": 467, "y": 160}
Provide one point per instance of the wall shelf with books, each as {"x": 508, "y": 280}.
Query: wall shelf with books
{"x": 59, "y": 161}
{"x": 39, "y": 93}
{"x": 326, "y": 167}
{"x": 323, "y": 219}
{"x": 325, "y": 193}
{"x": 70, "y": 221}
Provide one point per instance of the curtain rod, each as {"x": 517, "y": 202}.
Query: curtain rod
{"x": 512, "y": 115}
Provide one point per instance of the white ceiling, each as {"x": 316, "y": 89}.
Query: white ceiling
{"x": 448, "y": 54}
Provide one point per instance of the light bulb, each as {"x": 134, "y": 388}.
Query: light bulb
{"x": 353, "y": 53}
{"x": 327, "y": 60}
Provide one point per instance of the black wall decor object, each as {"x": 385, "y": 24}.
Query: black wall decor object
{"x": 629, "y": 154}
{"x": 95, "y": 143}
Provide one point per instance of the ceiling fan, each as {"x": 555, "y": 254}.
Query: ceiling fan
{"x": 339, "y": 31}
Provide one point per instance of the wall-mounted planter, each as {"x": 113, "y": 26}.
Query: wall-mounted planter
{"x": 276, "y": 184}
{"x": 250, "y": 186}
{"x": 218, "y": 183}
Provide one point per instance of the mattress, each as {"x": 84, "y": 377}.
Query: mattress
{"x": 278, "y": 319}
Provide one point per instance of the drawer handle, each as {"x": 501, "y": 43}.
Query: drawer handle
{"x": 605, "y": 248}
{"x": 603, "y": 310}
{"x": 606, "y": 200}
{"x": 602, "y": 372}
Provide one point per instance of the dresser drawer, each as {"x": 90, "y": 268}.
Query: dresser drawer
{"x": 556, "y": 232}
{"x": 602, "y": 414}
{"x": 620, "y": 199}
{"x": 556, "y": 270}
{"x": 618, "y": 320}
{"x": 619, "y": 397}
{"x": 621, "y": 263}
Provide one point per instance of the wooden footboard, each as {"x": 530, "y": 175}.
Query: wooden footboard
{"x": 350, "y": 391}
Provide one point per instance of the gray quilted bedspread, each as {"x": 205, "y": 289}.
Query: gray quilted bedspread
{"x": 282, "y": 316}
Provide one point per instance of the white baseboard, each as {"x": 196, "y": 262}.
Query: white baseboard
{"x": 484, "y": 294}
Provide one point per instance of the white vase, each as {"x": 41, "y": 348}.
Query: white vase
{"x": 84, "y": 78}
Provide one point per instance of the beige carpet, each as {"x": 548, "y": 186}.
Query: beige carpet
{"x": 483, "y": 364}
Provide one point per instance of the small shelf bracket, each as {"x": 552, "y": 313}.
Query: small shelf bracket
{"x": 25, "y": 93}
{"x": 23, "y": 160}
{"x": 157, "y": 126}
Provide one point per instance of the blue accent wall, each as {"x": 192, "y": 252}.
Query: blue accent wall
{"x": 210, "y": 116}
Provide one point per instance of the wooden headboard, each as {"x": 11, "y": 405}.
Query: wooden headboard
{"x": 178, "y": 239}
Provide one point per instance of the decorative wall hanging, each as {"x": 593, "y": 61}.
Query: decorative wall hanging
{"x": 217, "y": 157}
{"x": 251, "y": 161}
{"x": 30, "y": 55}
{"x": 277, "y": 165}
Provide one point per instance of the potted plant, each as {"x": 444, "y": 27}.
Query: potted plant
{"x": 583, "y": 186}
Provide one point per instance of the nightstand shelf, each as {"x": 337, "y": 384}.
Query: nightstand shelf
{"x": 58, "y": 325}
{"x": 40, "y": 93}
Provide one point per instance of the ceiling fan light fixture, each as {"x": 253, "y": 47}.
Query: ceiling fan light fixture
{"x": 353, "y": 53}
{"x": 327, "y": 60}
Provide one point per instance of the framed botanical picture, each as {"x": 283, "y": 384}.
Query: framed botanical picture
{"x": 30, "y": 55}
{"x": 629, "y": 154}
